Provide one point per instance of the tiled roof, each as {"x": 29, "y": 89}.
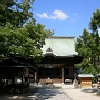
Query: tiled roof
{"x": 61, "y": 46}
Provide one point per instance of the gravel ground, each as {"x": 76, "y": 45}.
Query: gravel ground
{"x": 81, "y": 94}
{"x": 53, "y": 93}
{"x": 38, "y": 93}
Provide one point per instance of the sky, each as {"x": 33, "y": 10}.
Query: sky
{"x": 65, "y": 17}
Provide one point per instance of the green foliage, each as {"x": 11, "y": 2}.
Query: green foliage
{"x": 88, "y": 46}
{"x": 14, "y": 13}
{"x": 24, "y": 41}
{"x": 19, "y": 33}
{"x": 95, "y": 20}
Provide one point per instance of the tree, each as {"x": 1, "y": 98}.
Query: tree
{"x": 88, "y": 46}
{"x": 21, "y": 35}
{"x": 25, "y": 41}
{"x": 15, "y": 13}
{"x": 95, "y": 20}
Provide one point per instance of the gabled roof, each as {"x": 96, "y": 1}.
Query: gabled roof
{"x": 85, "y": 75}
{"x": 60, "y": 46}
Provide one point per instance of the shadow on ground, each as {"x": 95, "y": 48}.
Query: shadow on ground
{"x": 90, "y": 90}
{"x": 34, "y": 92}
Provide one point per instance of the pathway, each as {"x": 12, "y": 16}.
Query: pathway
{"x": 38, "y": 93}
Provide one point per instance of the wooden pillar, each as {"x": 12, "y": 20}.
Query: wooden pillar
{"x": 35, "y": 77}
{"x": 63, "y": 74}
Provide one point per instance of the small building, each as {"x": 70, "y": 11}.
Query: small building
{"x": 85, "y": 80}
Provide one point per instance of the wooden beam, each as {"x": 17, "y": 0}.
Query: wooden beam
{"x": 49, "y": 65}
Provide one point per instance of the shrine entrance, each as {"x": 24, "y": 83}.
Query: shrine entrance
{"x": 57, "y": 72}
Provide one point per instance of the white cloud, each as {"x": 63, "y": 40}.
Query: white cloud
{"x": 57, "y": 14}
{"x": 44, "y": 15}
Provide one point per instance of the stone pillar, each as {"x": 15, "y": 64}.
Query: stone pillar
{"x": 63, "y": 74}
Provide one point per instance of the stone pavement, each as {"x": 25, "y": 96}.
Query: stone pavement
{"x": 38, "y": 93}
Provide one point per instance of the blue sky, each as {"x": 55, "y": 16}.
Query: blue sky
{"x": 67, "y": 17}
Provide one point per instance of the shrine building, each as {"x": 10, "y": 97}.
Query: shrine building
{"x": 58, "y": 62}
